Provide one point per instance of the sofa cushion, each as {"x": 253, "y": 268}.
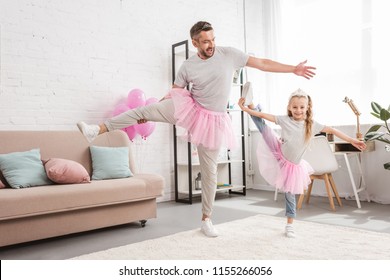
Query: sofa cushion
{"x": 65, "y": 171}
{"x": 23, "y": 169}
{"x": 155, "y": 183}
{"x": 61, "y": 198}
{"x": 110, "y": 162}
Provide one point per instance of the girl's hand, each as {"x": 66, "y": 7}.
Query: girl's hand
{"x": 359, "y": 144}
{"x": 241, "y": 103}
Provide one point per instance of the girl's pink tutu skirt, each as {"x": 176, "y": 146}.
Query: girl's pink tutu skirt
{"x": 211, "y": 129}
{"x": 276, "y": 169}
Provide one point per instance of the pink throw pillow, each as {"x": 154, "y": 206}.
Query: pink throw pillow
{"x": 64, "y": 171}
{"x": 1, "y": 185}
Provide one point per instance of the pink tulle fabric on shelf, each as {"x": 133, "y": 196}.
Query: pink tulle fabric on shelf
{"x": 277, "y": 170}
{"x": 211, "y": 129}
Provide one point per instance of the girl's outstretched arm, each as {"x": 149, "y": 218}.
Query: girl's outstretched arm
{"x": 355, "y": 142}
{"x": 255, "y": 113}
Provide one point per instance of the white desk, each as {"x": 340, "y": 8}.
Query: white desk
{"x": 347, "y": 150}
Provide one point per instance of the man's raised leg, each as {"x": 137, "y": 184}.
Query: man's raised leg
{"x": 162, "y": 111}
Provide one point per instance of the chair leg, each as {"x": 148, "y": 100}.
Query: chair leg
{"x": 328, "y": 187}
{"x": 276, "y": 194}
{"x": 300, "y": 201}
{"x": 333, "y": 185}
{"x": 309, "y": 191}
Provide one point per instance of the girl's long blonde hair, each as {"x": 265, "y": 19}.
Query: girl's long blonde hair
{"x": 309, "y": 113}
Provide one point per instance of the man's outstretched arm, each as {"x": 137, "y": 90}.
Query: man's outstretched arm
{"x": 268, "y": 65}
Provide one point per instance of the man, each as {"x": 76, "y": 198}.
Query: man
{"x": 202, "y": 111}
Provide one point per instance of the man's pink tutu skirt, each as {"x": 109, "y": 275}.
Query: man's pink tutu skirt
{"x": 211, "y": 129}
{"x": 276, "y": 169}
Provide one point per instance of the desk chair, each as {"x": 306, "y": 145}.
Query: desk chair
{"x": 322, "y": 159}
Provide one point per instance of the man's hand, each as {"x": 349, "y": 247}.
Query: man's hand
{"x": 305, "y": 71}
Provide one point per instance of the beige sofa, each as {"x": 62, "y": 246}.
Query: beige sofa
{"x": 40, "y": 212}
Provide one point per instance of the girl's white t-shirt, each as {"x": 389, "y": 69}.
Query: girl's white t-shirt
{"x": 293, "y": 137}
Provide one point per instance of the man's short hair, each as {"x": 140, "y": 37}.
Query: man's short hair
{"x": 199, "y": 27}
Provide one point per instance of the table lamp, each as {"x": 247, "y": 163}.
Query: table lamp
{"x": 359, "y": 135}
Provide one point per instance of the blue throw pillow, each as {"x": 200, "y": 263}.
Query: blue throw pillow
{"x": 23, "y": 169}
{"x": 110, "y": 162}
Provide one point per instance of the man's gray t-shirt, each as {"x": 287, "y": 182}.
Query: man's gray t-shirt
{"x": 210, "y": 80}
{"x": 293, "y": 137}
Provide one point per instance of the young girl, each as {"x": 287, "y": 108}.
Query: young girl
{"x": 280, "y": 158}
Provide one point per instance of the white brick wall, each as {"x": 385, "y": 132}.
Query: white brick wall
{"x": 65, "y": 61}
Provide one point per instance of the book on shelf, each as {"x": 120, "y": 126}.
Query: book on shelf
{"x": 220, "y": 186}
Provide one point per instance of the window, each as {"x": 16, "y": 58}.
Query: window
{"x": 345, "y": 39}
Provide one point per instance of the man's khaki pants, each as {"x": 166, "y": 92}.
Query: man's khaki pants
{"x": 163, "y": 111}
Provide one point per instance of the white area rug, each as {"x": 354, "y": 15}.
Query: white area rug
{"x": 258, "y": 237}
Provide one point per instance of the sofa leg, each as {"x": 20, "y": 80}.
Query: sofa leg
{"x": 143, "y": 222}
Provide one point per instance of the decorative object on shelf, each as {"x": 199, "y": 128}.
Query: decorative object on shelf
{"x": 236, "y": 76}
{"x": 359, "y": 135}
{"x": 198, "y": 182}
{"x": 194, "y": 155}
{"x": 219, "y": 186}
{"x": 247, "y": 93}
{"x": 224, "y": 155}
{"x": 330, "y": 137}
{"x": 373, "y": 133}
